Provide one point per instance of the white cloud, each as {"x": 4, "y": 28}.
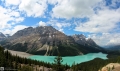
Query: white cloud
{"x": 61, "y": 30}
{"x": 54, "y": 1}
{"x": 13, "y": 12}
{"x": 14, "y": 30}
{"x": 74, "y": 8}
{"x": 11, "y": 2}
{"x": 58, "y": 25}
{"x": 106, "y": 38}
{"x": 103, "y": 22}
{"x": 19, "y": 19}
{"x": 35, "y": 8}
{"x": 42, "y": 23}
{"x": 8, "y": 17}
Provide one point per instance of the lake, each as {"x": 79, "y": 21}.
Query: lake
{"x": 70, "y": 59}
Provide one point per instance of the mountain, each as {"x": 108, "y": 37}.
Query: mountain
{"x": 46, "y": 40}
{"x": 2, "y": 36}
{"x": 7, "y": 35}
{"x": 113, "y": 48}
{"x": 88, "y": 42}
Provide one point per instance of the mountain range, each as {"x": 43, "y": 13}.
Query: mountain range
{"x": 2, "y": 36}
{"x": 46, "y": 40}
{"x": 113, "y": 47}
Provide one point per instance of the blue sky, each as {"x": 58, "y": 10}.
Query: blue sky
{"x": 96, "y": 19}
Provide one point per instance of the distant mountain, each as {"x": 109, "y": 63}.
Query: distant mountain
{"x": 81, "y": 39}
{"x": 88, "y": 42}
{"x": 113, "y": 50}
{"x": 2, "y": 36}
{"x": 113, "y": 47}
{"x": 7, "y": 35}
{"x": 47, "y": 41}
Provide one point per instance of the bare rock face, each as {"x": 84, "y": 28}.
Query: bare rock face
{"x": 81, "y": 39}
{"x": 87, "y": 42}
{"x": 43, "y": 41}
{"x": 111, "y": 67}
{"x": 46, "y": 40}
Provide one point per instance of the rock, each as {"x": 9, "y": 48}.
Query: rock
{"x": 111, "y": 67}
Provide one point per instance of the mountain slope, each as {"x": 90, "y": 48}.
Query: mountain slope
{"x": 45, "y": 41}
{"x": 2, "y": 36}
{"x": 87, "y": 42}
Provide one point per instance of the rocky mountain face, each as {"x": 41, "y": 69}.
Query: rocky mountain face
{"x": 81, "y": 39}
{"x": 47, "y": 41}
{"x": 88, "y": 42}
{"x": 2, "y": 36}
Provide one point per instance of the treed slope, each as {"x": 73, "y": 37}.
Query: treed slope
{"x": 8, "y": 61}
{"x": 96, "y": 64}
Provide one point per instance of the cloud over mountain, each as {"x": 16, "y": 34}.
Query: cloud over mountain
{"x": 96, "y": 17}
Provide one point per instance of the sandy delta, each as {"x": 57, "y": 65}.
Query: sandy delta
{"x": 18, "y": 53}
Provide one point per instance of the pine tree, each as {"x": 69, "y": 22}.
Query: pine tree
{"x": 58, "y": 60}
{"x": 73, "y": 67}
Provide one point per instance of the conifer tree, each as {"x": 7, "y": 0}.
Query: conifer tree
{"x": 58, "y": 63}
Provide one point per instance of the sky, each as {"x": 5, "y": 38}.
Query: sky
{"x": 96, "y": 19}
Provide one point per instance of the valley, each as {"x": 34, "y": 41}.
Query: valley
{"x": 60, "y": 35}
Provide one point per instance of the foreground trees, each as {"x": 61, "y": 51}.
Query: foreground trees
{"x": 58, "y": 63}
{"x": 9, "y": 61}
{"x": 23, "y": 64}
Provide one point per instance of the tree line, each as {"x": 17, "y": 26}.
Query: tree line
{"x": 7, "y": 60}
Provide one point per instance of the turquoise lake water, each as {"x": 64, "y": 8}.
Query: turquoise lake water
{"x": 70, "y": 59}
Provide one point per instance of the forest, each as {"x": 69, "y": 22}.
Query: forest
{"x": 17, "y": 63}
{"x": 10, "y": 62}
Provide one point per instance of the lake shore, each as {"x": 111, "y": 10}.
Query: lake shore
{"x": 19, "y": 53}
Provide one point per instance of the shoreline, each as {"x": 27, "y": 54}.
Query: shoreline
{"x": 19, "y": 53}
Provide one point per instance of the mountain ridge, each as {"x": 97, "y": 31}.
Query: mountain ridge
{"x": 46, "y": 40}
{"x": 2, "y": 36}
